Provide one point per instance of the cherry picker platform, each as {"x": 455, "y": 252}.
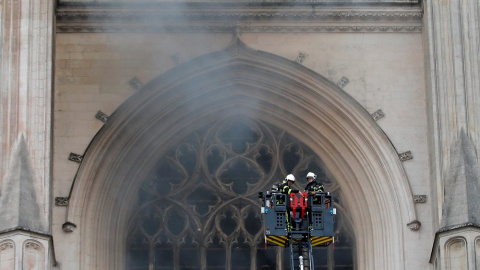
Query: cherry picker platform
{"x": 298, "y": 221}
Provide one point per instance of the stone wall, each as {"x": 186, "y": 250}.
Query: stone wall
{"x": 382, "y": 71}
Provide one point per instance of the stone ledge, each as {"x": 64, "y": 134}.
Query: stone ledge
{"x": 456, "y": 227}
{"x": 224, "y": 28}
{"x": 223, "y": 17}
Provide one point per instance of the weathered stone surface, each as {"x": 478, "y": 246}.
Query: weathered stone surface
{"x": 258, "y": 1}
{"x": 462, "y": 203}
{"x": 18, "y": 200}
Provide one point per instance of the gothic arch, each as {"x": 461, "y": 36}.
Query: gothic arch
{"x": 243, "y": 81}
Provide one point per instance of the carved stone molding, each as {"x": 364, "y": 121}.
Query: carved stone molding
{"x": 378, "y": 115}
{"x": 405, "y": 156}
{"x": 136, "y": 83}
{"x": 178, "y": 28}
{"x": 419, "y": 198}
{"x": 414, "y": 225}
{"x": 211, "y": 11}
{"x": 343, "y": 82}
{"x": 212, "y": 17}
{"x": 303, "y": 14}
{"x": 68, "y": 227}
{"x": 62, "y": 201}
{"x": 301, "y": 57}
{"x": 177, "y": 59}
{"x": 278, "y": 76}
{"x": 32, "y": 245}
{"x": 330, "y": 2}
{"x": 75, "y": 157}
{"x": 101, "y": 116}
{"x": 6, "y": 245}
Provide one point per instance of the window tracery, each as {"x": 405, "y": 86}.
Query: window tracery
{"x": 198, "y": 209}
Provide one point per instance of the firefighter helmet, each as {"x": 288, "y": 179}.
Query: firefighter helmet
{"x": 290, "y": 177}
{"x": 311, "y": 175}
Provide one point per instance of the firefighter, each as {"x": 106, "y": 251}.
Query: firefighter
{"x": 285, "y": 186}
{"x": 286, "y": 189}
{"x": 313, "y": 186}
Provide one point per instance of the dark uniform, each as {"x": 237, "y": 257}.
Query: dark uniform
{"x": 314, "y": 186}
{"x": 286, "y": 189}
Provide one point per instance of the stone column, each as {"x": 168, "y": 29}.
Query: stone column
{"x": 25, "y": 115}
{"x": 452, "y": 40}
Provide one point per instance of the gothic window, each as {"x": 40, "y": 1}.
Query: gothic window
{"x": 199, "y": 208}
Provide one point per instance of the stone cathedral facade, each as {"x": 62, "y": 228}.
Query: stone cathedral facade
{"x": 137, "y": 134}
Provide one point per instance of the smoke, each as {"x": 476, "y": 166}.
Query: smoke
{"x": 151, "y": 41}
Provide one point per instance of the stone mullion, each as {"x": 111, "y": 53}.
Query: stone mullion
{"x": 330, "y": 258}
{"x": 176, "y": 256}
{"x": 253, "y": 257}
{"x": 203, "y": 258}
{"x": 279, "y": 257}
{"x": 228, "y": 256}
{"x": 151, "y": 256}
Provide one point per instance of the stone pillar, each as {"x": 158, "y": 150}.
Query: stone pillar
{"x": 452, "y": 40}
{"x": 26, "y": 39}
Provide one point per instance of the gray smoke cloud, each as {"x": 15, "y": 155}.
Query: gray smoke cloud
{"x": 181, "y": 43}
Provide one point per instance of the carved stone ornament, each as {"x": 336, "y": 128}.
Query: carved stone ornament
{"x": 377, "y": 115}
{"x": 251, "y": 1}
{"x": 6, "y": 245}
{"x": 343, "y": 82}
{"x": 101, "y": 116}
{"x": 355, "y": 14}
{"x": 68, "y": 227}
{"x": 32, "y": 245}
{"x": 136, "y": 83}
{"x": 62, "y": 201}
{"x": 419, "y": 198}
{"x": 177, "y": 59}
{"x": 301, "y": 57}
{"x": 405, "y": 156}
{"x": 255, "y": 17}
{"x": 224, "y": 28}
{"x": 414, "y": 225}
{"x": 75, "y": 157}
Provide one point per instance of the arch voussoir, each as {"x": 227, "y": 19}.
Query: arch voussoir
{"x": 261, "y": 85}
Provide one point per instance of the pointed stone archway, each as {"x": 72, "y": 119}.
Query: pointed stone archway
{"x": 242, "y": 81}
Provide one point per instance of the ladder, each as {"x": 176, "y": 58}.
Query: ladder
{"x": 298, "y": 256}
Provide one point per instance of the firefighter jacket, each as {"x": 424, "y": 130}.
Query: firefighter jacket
{"x": 314, "y": 186}
{"x": 285, "y": 188}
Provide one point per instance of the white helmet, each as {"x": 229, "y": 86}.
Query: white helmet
{"x": 290, "y": 177}
{"x": 311, "y": 175}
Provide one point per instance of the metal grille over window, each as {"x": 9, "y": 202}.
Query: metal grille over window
{"x": 198, "y": 209}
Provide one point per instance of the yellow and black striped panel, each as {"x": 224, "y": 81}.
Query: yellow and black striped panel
{"x": 278, "y": 240}
{"x": 321, "y": 241}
